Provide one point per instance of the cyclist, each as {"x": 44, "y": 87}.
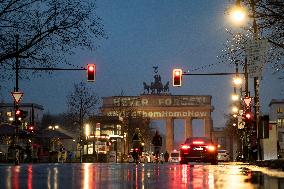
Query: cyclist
{"x": 136, "y": 145}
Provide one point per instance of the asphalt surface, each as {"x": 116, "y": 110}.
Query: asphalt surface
{"x": 132, "y": 176}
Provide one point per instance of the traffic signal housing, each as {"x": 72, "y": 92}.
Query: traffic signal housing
{"x": 177, "y": 77}
{"x": 31, "y": 128}
{"x": 248, "y": 116}
{"x": 91, "y": 72}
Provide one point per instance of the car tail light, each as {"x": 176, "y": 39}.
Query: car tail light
{"x": 129, "y": 156}
{"x": 136, "y": 149}
{"x": 211, "y": 148}
{"x": 185, "y": 147}
{"x": 198, "y": 142}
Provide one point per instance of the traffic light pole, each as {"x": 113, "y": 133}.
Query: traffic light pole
{"x": 16, "y": 89}
{"x": 16, "y": 132}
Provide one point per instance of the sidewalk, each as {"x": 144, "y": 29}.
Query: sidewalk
{"x": 273, "y": 164}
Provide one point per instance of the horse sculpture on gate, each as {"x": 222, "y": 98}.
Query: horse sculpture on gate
{"x": 157, "y": 86}
{"x": 146, "y": 88}
{"x": 166, "y": 87}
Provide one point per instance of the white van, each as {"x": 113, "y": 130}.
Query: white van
{"x": 174, "y": 156}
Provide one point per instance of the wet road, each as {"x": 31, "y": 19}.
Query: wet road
{"x": 112, "y": 176}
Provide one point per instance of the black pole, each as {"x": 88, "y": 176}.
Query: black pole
{"x": 246, "y": 78}
{"x": 17, "y": 63}
{"x": 17, "y": 153}
{"x": 256, "y": 84}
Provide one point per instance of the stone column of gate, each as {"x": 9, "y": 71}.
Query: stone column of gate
{"x": 208, "y": 127}
{"x": 188, "y": 128}
{"x": 169, "y": 134}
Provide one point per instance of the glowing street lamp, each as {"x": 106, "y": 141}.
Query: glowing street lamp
{"x": 235, "y": 109}
{"x": 237, "y": 81}
{"x": 238, "y": 14}
{"x": 235, "y": 97}
{"x": 53, "y": 127}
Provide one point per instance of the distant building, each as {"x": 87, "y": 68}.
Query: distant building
{"x": 276, "y": 115}
{"x": 33, "y": 113}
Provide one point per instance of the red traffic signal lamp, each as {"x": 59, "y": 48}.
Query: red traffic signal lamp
{"x": 177, "y": 77}
{"x": 91, "y": 72}
{"x": 31, "y": 128}
{"x": 18, "y": 112}
{"x": 248, "y": 116}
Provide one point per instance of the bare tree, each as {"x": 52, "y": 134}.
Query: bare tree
{"x": 269, "y": 19}
{"x": 47, "y": 31}
{"x": 82, "y": 102}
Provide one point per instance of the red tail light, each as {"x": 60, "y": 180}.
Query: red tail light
{"x": 211, "y": 148}
{"x": 198, "y": 142}
{"x": 136, "y": 149}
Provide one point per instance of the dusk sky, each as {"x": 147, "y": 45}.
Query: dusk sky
{"x": 188, "y": 34}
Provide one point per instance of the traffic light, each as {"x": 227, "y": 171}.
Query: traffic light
{"x": 31, "y": 128}
{"x": 177, "y": 76}
{"x": 19, "y": 114}
{"x": 91, "y": 72}
{"x": 248, "y": 116}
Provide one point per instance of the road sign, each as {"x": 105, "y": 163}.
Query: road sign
{"x": 256, "y": 52}
{"x": 247, "y": 101}
{"x": 17, "y": 96}
{"x": 241, "y": 125}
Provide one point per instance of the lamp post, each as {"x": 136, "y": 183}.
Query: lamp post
{"x": 87, "y": 134}
{"x": 239, "y": 15}
{"x": 53, "y": 128}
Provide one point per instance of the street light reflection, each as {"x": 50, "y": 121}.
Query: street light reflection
{"x": 30, "y": 177}
{"x": 52, "y": 177}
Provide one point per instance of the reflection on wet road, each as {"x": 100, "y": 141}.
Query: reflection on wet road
{"x": 131, "y": 176}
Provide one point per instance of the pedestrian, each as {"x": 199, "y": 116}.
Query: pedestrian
{"x": 166, "y": 156}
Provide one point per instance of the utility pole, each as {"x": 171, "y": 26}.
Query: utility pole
{"x": 256, "y": 84}
{"x": 16, "y": 89}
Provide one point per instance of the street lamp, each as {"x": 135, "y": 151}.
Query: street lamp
{"x": 53, "y": 128}
{"x": 235, "y": 97}
{"x": 240, "y": 18}
{"x": 238, "y": 14}
{"x": 235, "y": 109}
{"x": 237, "y": 81}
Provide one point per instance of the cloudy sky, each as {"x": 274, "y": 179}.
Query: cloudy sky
{"x": 188, "y": 34}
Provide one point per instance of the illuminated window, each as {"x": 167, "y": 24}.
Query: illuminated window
{"x": 280, "y": 122}
{"x": 9, "y": 114}
{"x": 279, "y": 110}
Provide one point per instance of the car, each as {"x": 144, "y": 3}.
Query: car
{"x": 223, "y": 155}
{"x": 130, "y": 158}
{"x": 145, "y": 157}
{"x": 174, "y": 156}
{"x": 199, "y": 149}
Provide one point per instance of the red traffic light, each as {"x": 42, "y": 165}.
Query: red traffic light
{"x": 18, "y": 112}
{"x": 177, "y": 76}
{"x": 91, "y": 70}
{"x": 248, "y": 116}
{"x": 31, "y": 128}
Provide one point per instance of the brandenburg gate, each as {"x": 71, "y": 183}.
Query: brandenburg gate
{"x": 167, "y": 107}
